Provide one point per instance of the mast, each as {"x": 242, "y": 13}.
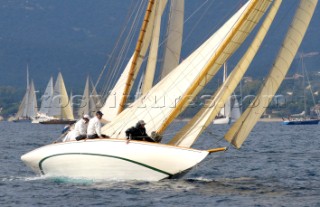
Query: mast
{"x": 239, "y": 132}
{"x": 189, "y": 93}
{"x": 136, "y": 55}
{"x": 304, "y": 85}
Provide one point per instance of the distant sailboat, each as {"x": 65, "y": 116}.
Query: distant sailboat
{"x": 229, "y": 112}
{"x": 60, "y": 111}
{"x": 302, "y": 118}
{"x": 28, "y": 107}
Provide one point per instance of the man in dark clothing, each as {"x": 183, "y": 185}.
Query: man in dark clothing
{"x": 138, "y": 132}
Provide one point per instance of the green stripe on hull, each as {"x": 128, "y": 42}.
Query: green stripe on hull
{"x": 120, "y": 158}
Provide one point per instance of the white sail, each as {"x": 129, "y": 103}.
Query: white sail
{"x": 241, "y": 129}
{"x": 174, "y": 37}
{"x": 196, "y": 70}
{"x": 189, "y": 134}
{"x": 32, "y": 107}
{"x": 235, "y": 110}
{"x": 47, "y": 97}
{"x": 60, "y": 107}
{"x": 28, "y": 107}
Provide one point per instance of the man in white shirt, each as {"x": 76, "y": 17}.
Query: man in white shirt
{"x": 81, "y": 127}
{"x": 94, "y": 127}
{"x": 80, "y": 130}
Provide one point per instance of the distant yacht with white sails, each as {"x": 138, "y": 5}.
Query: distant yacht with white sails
{"x": 28, "y": 107}
{"x": 56, "y": 108}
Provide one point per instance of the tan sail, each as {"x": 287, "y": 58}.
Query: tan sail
{"x": 241, "y": 129}
{"x": 163, "y": 101}
{"x": 189, "y": 134}
{"x": 174, "y": 37}
{"x": 234, "y": 38}
{"x": 60, "y": 106}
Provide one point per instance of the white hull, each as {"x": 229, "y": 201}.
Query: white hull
{"x": 112, "y": 159}
{"x": 225, "y": 120}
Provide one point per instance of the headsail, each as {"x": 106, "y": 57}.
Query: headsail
{"x": 241, "y": 129}
{"x": 194, "y": 72}
{"x": 189, "y": 134}
{"x": 32, "y": 107}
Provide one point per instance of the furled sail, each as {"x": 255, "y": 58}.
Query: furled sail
{"x": 47, "y": 97}
{"x": 163, "y": 102}
{"x": 60, "y": 106}
{"x": 174, "y": 37}
{"x": 189, "y": 134}
{"x": 241, "y": 129}
{"x": 118, "y": 95}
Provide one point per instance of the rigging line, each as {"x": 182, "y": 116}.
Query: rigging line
{"x": 111, "y": 80}
{"x": 113, "y": 51}
{"x": 129, "y": 16}
{"x": 124, "y": 50}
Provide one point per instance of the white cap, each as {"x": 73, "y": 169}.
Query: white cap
{"x": 86, "y": 116}
{"x": 142, "y": 122}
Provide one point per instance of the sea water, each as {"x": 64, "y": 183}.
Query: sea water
{"x": 277, "y": 166}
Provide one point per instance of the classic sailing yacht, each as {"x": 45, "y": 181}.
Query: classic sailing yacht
{"x": 59, "y": 110}
{"x": 28, "y": 107}
{"x": 138, "y": 160}
{"x": 302, "y": 119}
